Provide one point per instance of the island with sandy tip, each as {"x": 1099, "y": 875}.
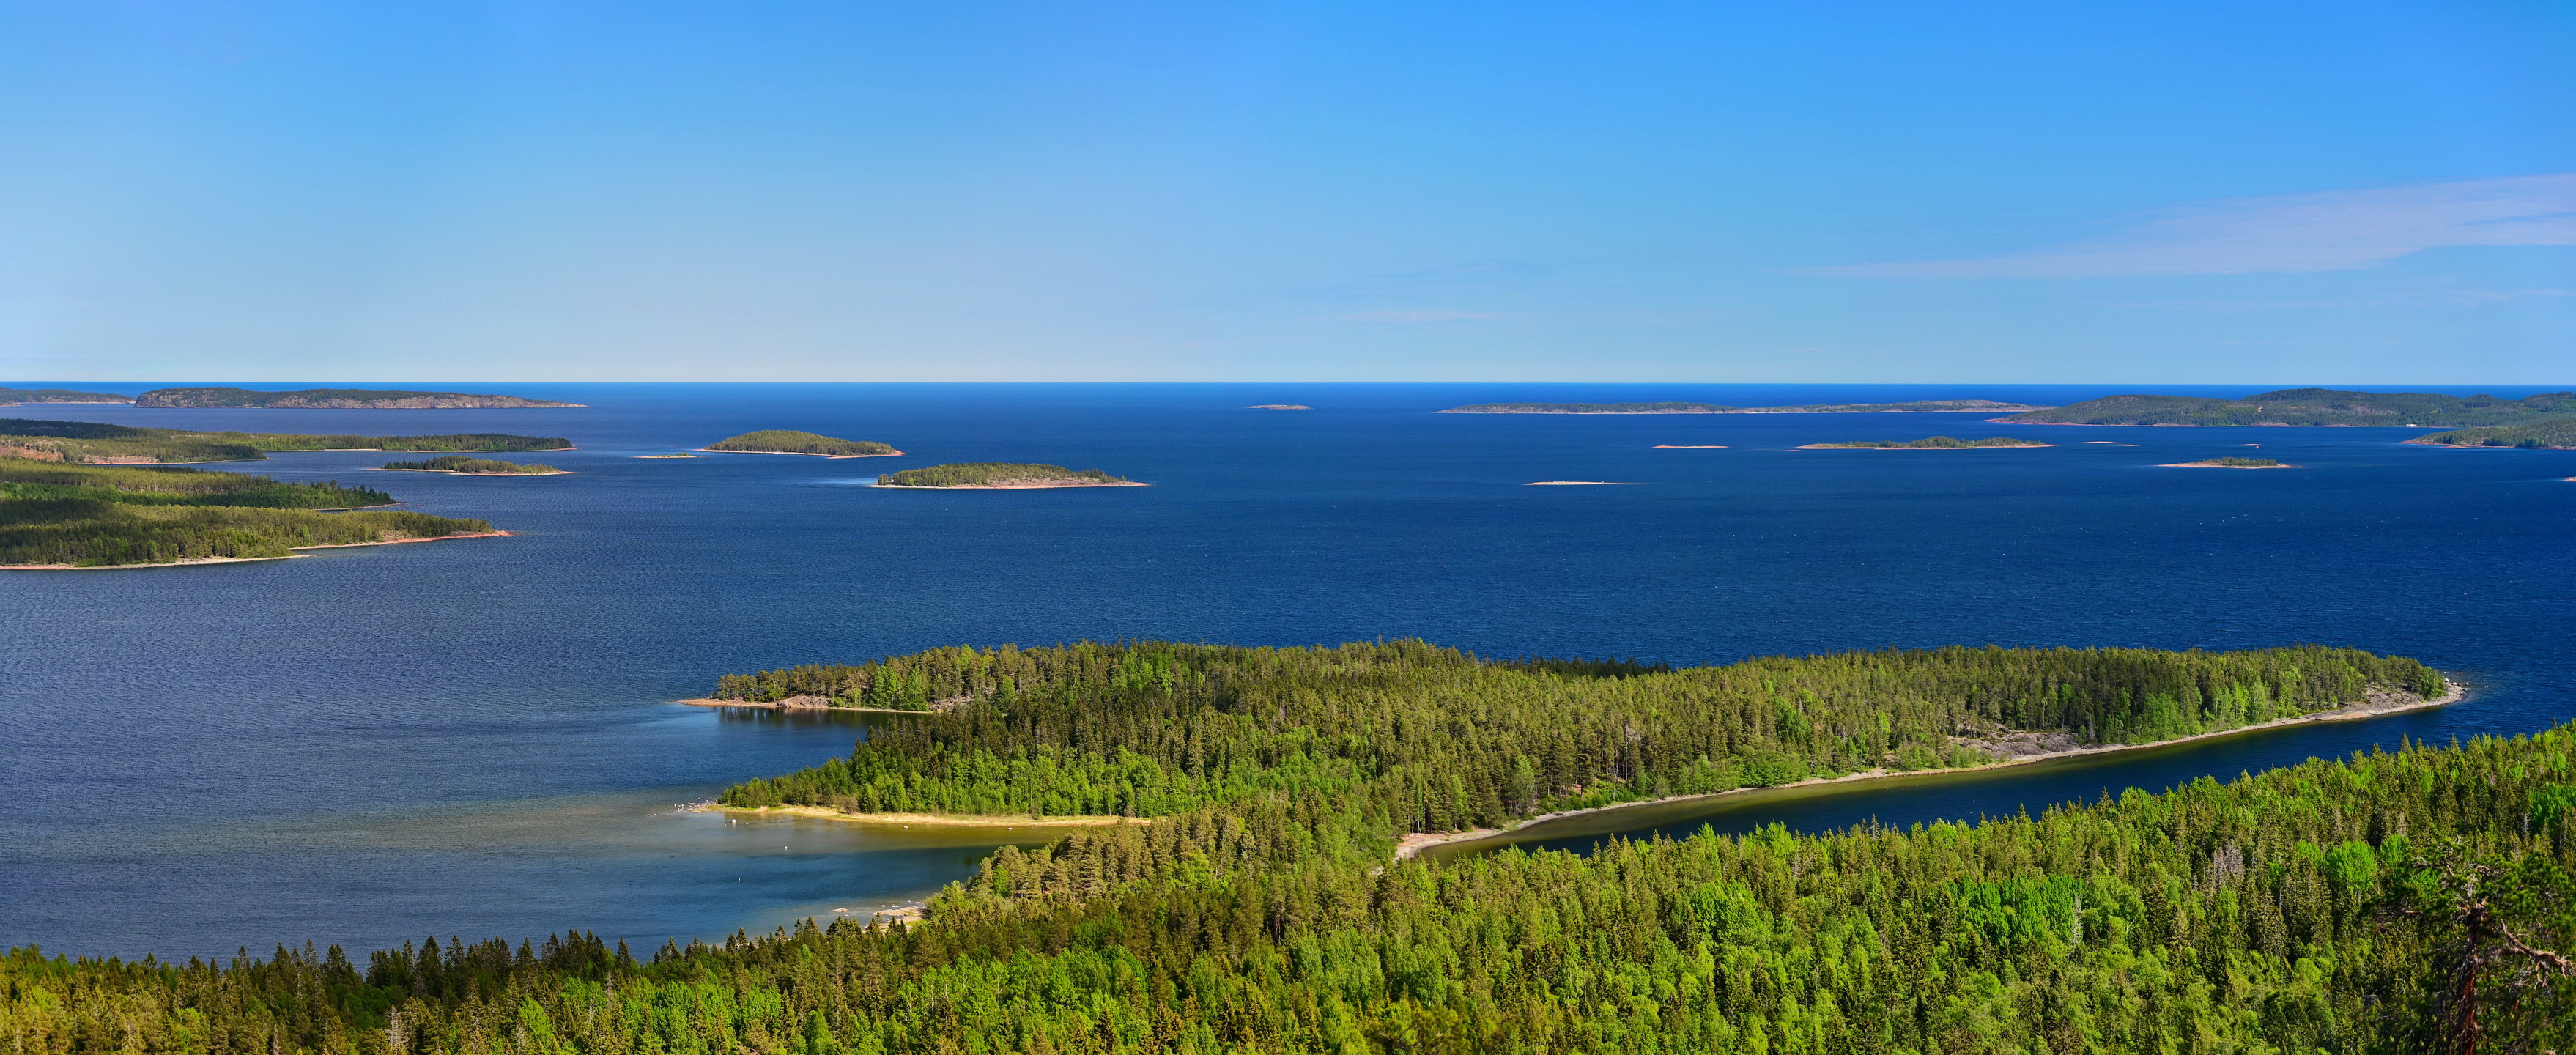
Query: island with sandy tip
{"x": 460, "y": 465}
{"x": 1928, "y": 443}
{"x": 789, "y": 441}
{"x": 2228, "y": 463}
{"x": 1000, "y": 476}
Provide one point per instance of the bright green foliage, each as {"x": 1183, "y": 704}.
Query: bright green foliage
{"x": 1433, "y": 739}
{"x": 88, "y": 516}
{"x": 1938, "y": 442}
{"x": 92, "y": 442}
{"x": 2552, "y": 433}
{"x": 2306, "y": 406}
{"x": 2302, "y": 910}
{"x": 993, "y": 474}
{"x": 783, "y": 441}
{"x": 457, "y": 463}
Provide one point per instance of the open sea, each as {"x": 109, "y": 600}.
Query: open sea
{"x": 475, "y": 737}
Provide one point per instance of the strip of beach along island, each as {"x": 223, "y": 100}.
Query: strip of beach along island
{"x": 786, "y": 441}
{"x": 1000, "y": 476}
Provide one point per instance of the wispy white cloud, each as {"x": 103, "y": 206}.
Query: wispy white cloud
{"x": 1420, "y": 315}
{"x": 2325, "y": 231}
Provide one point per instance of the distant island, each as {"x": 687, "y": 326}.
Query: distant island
{"x": 336, "y": 399}
{"x": 2230, "y": 463}
{"x": 1278, "y": 406}
{"x": 464, "y": 466}
{"x": 2549, "y": 434}
{"x": 2305, "y": 406}
{"x": 15, "y": 397}
{"x": 1002, "y": 475}
{"x": 93, "y": 443}
{"x": 1931, "y": 406}
{"x": 666, "y": 456}
{"x": 1929, "y": 443}
{"x": 56, "y": 516}
{"x": 784, "y": 441}
{"x": 1592, "y": 408}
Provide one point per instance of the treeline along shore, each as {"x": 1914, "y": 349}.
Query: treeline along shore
{"x": 2332, "y": 906}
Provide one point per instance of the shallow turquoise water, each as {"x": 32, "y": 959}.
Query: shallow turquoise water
{"x": 474, "y": 737}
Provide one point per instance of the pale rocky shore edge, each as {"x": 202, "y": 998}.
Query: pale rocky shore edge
{"x": 938, "y": 820}
{"x": 1417, "y": 842}
{"x": 250, "y": 560}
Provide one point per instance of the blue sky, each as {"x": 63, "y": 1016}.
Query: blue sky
{"x": 2350, "y": 192}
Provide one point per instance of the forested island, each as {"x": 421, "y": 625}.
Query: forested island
{"x": 1002, "y": 475}
{"x": 784, "y": 441}
{"x": 78, "y": 516}
{"x": 2331, "y": 906}
{"x": 1929, "y": 406}
{"x": 92, "y": 443}
{"x": 337, "y": 399}
{"x": 2543, "y": 434}
{"x": 13, "y": 397}
{"x": 1928, "y": 443}
{"x": 1278, "y": 406}
{"x": 2305, "y": 406}
{"x": 464, "y": 466}
{"x": 2232, "y": 463}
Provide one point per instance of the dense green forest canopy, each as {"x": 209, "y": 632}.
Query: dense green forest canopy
{"x": 457, "y": 463}
{"x": 2547, "y": 433}
{"x": 10, "y": 397}
{"x": 1432, "y": 739}
{"x": 92, "y": 442}
{"x": 91, "y": 516}
{"x": 336, "y": 399}
{"x": 2305, "y": 406}
{"x": 996, "y": 474}
{"x": 1932, "y": 443}
{"x": 2325, "y": 907}
{"x": 785, "y": 441}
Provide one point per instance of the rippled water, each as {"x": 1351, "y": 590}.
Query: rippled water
{"x": 472, "y": 737}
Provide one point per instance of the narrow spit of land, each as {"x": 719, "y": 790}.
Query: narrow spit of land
{"x": 2020, "y": 749}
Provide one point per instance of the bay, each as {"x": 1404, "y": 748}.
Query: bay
{"x": 367, "y": 746}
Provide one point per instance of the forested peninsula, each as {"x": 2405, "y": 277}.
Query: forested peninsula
{"x": 2305, "y": 406}
{"x": 337, "y": 399}
{"x": 2543, "y": 434}
{"x": 13, "y": 397}
{"x": 1929, "y": 406}
{"x": 784, "y": 441}
{"x": 2331, "y": 906}
{"x": 1001, "y": 476}
{"x": 92, "y": 443}
{"x": 77, "y": 516}
{"x": 464, "y": 466}
{"x": 2232, "y": 463}
{"x": 1928, "y": 443}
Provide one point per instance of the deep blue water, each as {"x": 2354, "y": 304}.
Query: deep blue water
{"x": 471, "y": 737}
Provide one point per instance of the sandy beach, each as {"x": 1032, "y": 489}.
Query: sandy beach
{"x": 243, "y": 560}
{"x": 1417, "y": 842}
{"x": 944, "y": 820}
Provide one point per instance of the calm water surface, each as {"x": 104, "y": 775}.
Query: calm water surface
{"x": 473, "y": 737}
